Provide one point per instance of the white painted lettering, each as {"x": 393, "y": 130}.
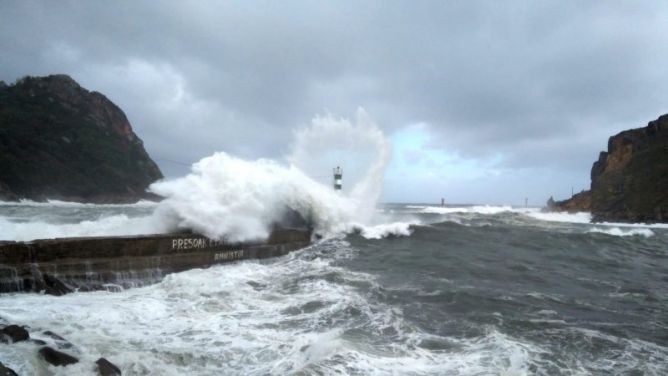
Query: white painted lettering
{"x": 228, "y": 255}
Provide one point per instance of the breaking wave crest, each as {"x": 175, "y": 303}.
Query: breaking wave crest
{"x": 480, "y": 209}
{"x": 226, "y": 197}
{"x": 236, "y": 199}
{"x": 579, "y": 218}
{"x": 115, "y": 225}
{"x": 72, "y": 204}
{"x": 616, "y": 231}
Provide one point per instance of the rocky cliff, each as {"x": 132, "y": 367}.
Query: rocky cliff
{"x": 629, "y": 182}
{"x": 61, "y": 141}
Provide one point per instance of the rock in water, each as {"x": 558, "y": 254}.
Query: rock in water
{"x": 55, "y": 286}
{"x": 106, "y": 368}
{"x": 13, "y": 333}
{"x": 61, "y": 141}
{"x": 580, "y": 202}
{"x": 61, "y": 342}
{"x": 629, "y": 182}
{"x": 4, "y": 371}
{"x": 56, "y": 357}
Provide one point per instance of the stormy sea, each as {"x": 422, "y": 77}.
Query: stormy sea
{"x": 384, "y": 289}
{"x": 464, "y": 290}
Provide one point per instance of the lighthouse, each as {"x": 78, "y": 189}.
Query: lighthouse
{"x": 338, "y": 176}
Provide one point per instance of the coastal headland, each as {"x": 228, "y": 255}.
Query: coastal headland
{"x": 60, "y": 141}
{"x": 629, "y": 181}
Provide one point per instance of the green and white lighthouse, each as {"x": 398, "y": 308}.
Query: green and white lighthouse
{"x": 338, "y": 178}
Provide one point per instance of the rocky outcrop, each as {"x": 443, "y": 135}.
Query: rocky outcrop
{"x": 629, "y": 182}
{"x": 13, "y": 334}
{"x": 61, "y": 141}
{"x": 580, "y": 202}
{"x": 107, "y": 368}
{"x": 57, "y": 358}
{"x": 5, "y": 371}
{"x": 61, "y": 342}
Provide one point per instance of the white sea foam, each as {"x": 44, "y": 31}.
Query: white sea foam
{"x": 580, "y": 217}
{"x": 616, "y": 231}
{"x": 71, "y": 204}
{"x": 251, "y": 318}
{"x": 611, "y": 228}
{"x": 227, "y": 197}
{"x": 383, "y": 230}
{"x": 235, "y": 199}
{"x": 478, "y": 209}
{"x": 112, "y": 225}
{"x": 585, "y": 218}
{"x": 634, "y": 225}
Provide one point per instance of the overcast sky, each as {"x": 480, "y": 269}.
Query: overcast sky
{"x": 483, "y": 102}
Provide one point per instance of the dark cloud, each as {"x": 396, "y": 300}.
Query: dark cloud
{"x": 539, "y": 85}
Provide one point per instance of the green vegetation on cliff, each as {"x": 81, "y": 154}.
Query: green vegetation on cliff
{"x": 60, "y": 141}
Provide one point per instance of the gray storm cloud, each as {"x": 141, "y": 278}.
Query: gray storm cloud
{"x": 542, "y": 84}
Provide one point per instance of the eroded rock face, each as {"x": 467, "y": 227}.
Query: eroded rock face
{"x": 61, "y": 141}
{"x": 629, "y": 182}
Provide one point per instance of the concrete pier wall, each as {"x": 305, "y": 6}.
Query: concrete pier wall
{"x": 59, "y": 266}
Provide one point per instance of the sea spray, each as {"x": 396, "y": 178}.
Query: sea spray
{"x": 225, "y": 197}
{"x": 108, "y": 225}
{"x": 230, "y": 198}
{"x": 360, "y": 148}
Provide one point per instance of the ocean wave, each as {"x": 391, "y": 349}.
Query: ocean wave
{"x": 73, "y": 204}
{"x": 114, "y": 225}
{"x": 238, "y": 199}
{"x": 386, "y": 229}
{"x": 479, "y": 209}
{"x": 616, "y": 231}
{"x": 586, "y": 218}
{"x": 254, "y": 318}
{"x": 580, "y": 217}
{"x": 537, "y": 214}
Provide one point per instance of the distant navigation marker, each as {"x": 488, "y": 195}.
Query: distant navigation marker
{"x": 338, "y": 178}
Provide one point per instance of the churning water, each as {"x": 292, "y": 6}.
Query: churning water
{"x": 471, "y": 291}
{"x": 390, "y": 290}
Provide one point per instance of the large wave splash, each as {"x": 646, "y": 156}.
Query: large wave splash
{"x": 225, "y": 197}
